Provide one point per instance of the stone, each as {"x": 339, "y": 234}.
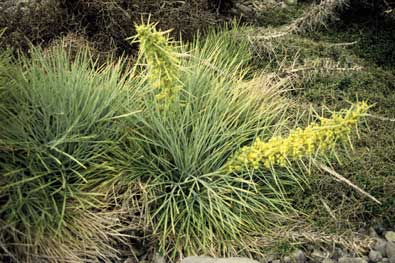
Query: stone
{"x": 375, "y": 256}
{"x": 373, "y": 233}
{"x": 352, "y": 260}
{"x": 391, "y": 260}
{"x": 198, "y": 259}
{"x": 267, "y": 259}
{"x": 130, "y": 260}
{"x": 287, "y": 259}
{"x": 390, "y": 236}
{"x": 390, "y": 249}
{"x": 380, "y": 246}
{"x": 338, "y": 253}
{"x": 158, "y": 259}
{"x": 204, "y": 259}
{"x": 298, "y": 256}
{"x": 328, "y": 260}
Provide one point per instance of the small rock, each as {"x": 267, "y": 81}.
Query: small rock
{"x": 328, "y": 260}
{"x": 287, "y": 259}
{"x": 204, "y": 259}
{"x": 298, "y": 256}
{"x": 130, "y": 260}
{"x": 198, "y": 259}
{"x": 390, "y": 236}
{"x": 390, "y": 249}
{"x": 391, "y": 260}
{"x": 380, "y": 246}
{"x": 375, "y": 256}
{"x": 338, "y": 253}
{"x": 352, "y": 260}
{"x": 373, "y": 233}
{"x": 267, "y": 259}
{"x": 158, "y": 259}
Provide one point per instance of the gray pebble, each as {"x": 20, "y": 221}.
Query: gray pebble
{"x": 130, "y": 260}
{"x": 375, "y": 256}
{"x": 298, "y": 256}
{"x": 390, "y": 249}
{"x": 352, "y": 260}
{"x": 380, "y": 246}
{"x": 204, "y": 259}
{"x": 373, "y": 233}
{"x": 287, "y": 260}
{"x": 158, "y": 259}
{"x": 338, "y": 253}
{"x": 391, "y": 260}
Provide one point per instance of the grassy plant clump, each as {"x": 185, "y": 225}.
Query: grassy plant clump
{"x": 59, "y": 118}
{"x": 193, "y": 207}
{"x": 192, "y": 203}
{"x": 164, "y": 134}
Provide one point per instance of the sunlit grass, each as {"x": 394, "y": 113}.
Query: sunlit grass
{"x": 59, "y": 118}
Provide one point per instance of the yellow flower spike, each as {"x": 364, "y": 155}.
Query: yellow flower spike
{"x": 315, "y": 138}
{"x": 162, "y": 60}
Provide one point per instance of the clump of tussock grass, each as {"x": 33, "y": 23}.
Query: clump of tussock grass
{"x": 80, "y": 139}
{"x": 178, "y": 154}
{"x": 60, "y": 117}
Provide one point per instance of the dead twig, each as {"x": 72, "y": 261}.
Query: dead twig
{"x": 348, "y": 182}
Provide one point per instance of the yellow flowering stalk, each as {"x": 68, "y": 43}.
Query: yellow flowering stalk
{"x": 161, "y": 59}
{"x": 315, "y": 138}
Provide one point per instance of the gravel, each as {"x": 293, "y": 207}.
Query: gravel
{"x": 390, "y": 249}
{"x": 382, "y": 251}
{"x": 375, "y": 256}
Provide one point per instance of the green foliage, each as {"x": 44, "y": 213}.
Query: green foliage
{"x": 79, "y": 140}
{"x": 371, "y": 163}
{"x": 59, "y": 117}
{"x": 193, "y": 205}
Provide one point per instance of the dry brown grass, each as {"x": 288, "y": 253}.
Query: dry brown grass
{"x": 106, "y": 23}
{"x": 89, "y": 235}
